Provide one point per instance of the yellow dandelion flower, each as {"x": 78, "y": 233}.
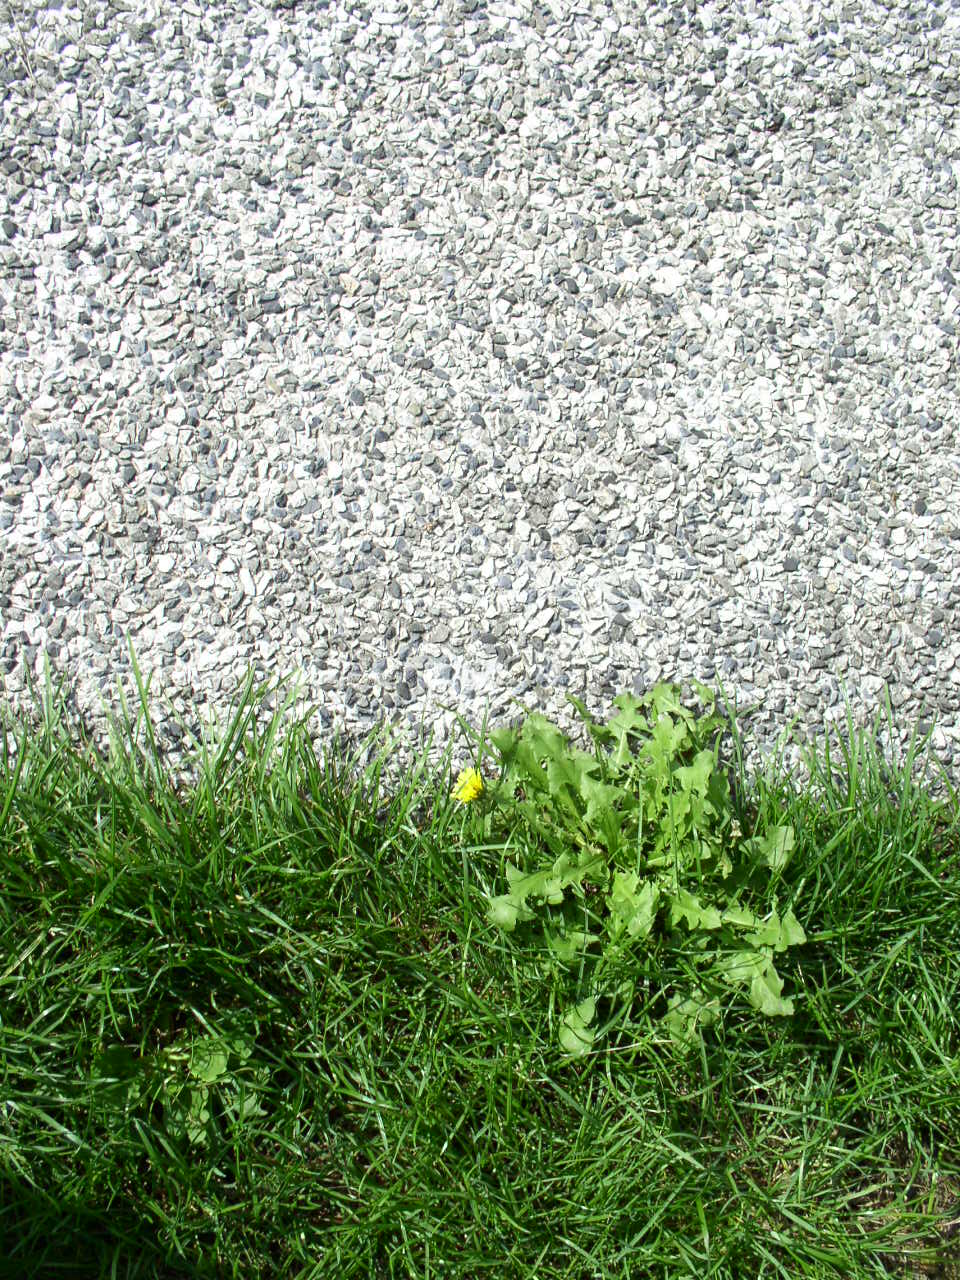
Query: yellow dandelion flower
{"x": 469, "y": 785}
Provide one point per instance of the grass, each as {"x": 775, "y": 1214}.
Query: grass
{"x": 259, "y": 1025}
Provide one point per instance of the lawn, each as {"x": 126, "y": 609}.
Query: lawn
{"x": 543, "y": 1019}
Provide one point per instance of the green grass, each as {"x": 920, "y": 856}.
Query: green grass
{"x": 259, "y": 1025}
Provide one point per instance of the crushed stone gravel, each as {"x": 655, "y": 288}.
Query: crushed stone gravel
{"x": 457, "y": 354}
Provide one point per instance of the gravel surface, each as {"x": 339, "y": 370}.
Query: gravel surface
{"x": 456, "y": 353}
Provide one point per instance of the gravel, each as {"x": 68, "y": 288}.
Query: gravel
{"x": 466, "y": 355}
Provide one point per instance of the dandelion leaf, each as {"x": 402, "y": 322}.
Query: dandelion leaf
{"x": 792, "y": 932}
{"x": 633, "y": 906}
{"x": 739, "y": 917}
{"x": 506, "y": 912}
{"x": 742, "y": 966}
{"x": 566, "y": 776}
{"x": 576, "y": 1033}
{"x": 600, "y": 798}
{"x": 778, "y": 934}
{"x": 696, "y": 777}
{"x": 684, "y": 906}
{"x": 686, "y": 1015}
{"x": 626, "y": 723}
{"x": 667, "y": 738}
{"x": 765, "y": 994}
{"x": 208, "y": 1060}
{"x": 775, "y": 848}
{"x": 505, "y": 741}
{"x": 569, "y": 946}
